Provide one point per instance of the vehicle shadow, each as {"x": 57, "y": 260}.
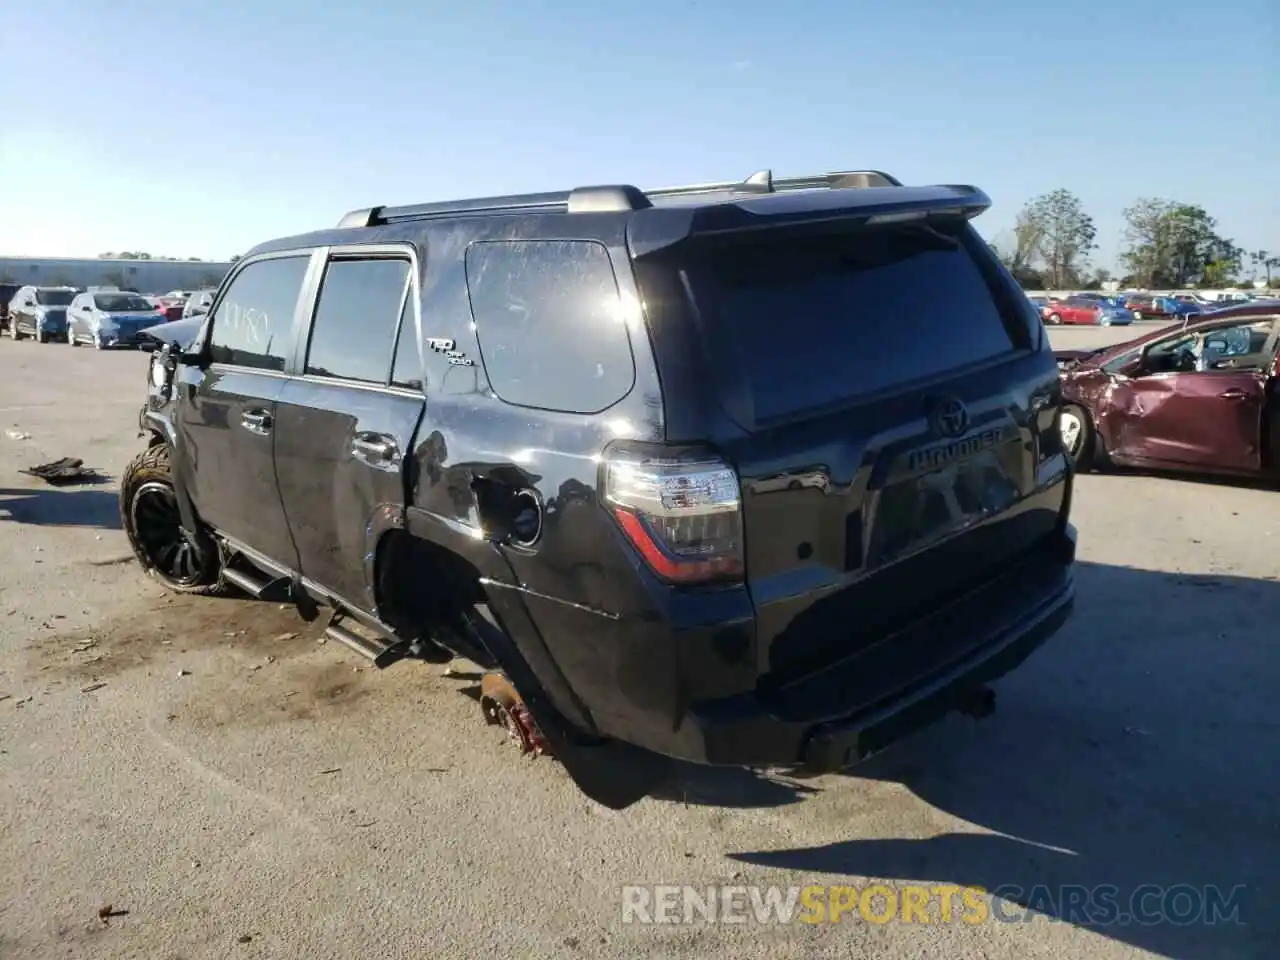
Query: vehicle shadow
{"x": 62, "y": 507}
{"x": 1138, "y": 748}
{"x": 695, "y": 785}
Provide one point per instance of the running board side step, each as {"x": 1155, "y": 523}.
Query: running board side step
{"x": 257, "y": 586}
{"x": 383, "y": 652}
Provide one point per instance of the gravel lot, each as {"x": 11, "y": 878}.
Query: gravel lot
{"x": 232, "y": 788}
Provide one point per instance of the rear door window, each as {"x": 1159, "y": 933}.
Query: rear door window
{"x": 818, "y": 321}
{"x": 549, "y": 323}
{"x": 354, "y": 329}
{"x": 407, "y": 369}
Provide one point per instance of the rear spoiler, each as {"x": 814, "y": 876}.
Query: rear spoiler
{"x": 660, "y": 227}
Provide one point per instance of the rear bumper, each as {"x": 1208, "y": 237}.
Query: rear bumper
{"x": 809, "y": 722}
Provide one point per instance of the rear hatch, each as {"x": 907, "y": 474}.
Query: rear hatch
{"x": 883, "y": 393}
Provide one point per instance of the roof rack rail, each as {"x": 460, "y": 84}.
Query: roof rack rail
{"x": 612, "y": 198}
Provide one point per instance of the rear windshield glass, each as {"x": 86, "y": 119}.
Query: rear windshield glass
{"x": 823, "y": 320}
{"x": 55, "y": 298}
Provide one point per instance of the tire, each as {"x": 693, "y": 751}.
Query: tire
{"x": 1055, "y": 319}
{"x": 71, "y": 337}
{"x": 1079, "y": 440}
{"x": 97, "y": 342}
{"x": 149, "y": 515}
{"x": 13, "y": 329}
{"x": 41, "y": 336}
{"x": 1137, "y": 314}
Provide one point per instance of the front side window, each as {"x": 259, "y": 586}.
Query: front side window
{"x": 253, "y": 324}
{"x": 356, "y": 315}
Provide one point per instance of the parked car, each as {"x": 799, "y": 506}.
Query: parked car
{"x": 1148, "y": 306}
{"x": 1106, "y": 298}
{"x": 40, "y": 312}
{"x": 500, "y": 428}
{"x": 7, "y": 293}
{"x": 1041, "y": 305}
{"x": 1077, "y": 310}
{"x": 1196, "y": 398}
{"x": 170, "y": 308}
{"x": 109, "y": 319}
{"x": 198, "y": 303}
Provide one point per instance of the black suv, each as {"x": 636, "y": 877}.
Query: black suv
{"x": 762, "y": 473}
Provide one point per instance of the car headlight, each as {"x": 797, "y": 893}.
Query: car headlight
{"x": 158, "y": 374}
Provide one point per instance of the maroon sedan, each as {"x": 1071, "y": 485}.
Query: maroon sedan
{"x": 1202, "y": 397}
{"x": 169, "y": 307}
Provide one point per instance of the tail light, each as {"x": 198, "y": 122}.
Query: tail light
{"x": 681, "y": 509}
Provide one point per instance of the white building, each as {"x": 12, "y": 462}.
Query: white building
{"x": 144, "y": 276}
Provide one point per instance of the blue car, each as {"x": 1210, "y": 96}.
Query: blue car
{"x": 1112, "y": 314}
{"x": 40, "y": 312}
{"x": 109, "y": 319}
{"x": 1183, "y": 309}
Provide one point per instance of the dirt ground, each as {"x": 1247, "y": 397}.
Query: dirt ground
{"x": 228, "y": 785}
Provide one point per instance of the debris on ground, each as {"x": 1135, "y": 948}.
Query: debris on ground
{"x": 184, "y": 673}
{"x": 287, "y": 636}
{"x": 111, "y": 561}
{"x": 331, "y": 770}
{"x": 64, "y": 472}
{"x": 17, "y": 435}
{"x": 92, "y": 687}
{"x": 107, "y": 911}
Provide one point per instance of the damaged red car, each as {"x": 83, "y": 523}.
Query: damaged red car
{"x": 1202, "y": 397}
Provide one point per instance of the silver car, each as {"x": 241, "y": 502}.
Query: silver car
{"x": 199, "y": 302}
{"x": 109, "y": 319}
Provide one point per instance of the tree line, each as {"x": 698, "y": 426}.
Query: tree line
{"x": 1168, "y": 244}
{"x": 140, "y": 255}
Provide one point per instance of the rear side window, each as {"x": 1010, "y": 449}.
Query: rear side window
{"x": 407, "y": 368}
{"x": 822, "y": 320}
{"x": 354, "y": 329}
{"x": 253, "y": 325}
{"x": 550, "y": 324}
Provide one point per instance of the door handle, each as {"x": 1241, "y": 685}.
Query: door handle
{"x": 256, "y": 421}
{"x": 1234, "y": 394}
{"x": 376, "y": 449}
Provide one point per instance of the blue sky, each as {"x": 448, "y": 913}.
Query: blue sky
{"x": 194, "y": 129}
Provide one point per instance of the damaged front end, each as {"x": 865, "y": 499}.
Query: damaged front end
{"x": 1070, "y": 359}
{"x": 166, "y": 343}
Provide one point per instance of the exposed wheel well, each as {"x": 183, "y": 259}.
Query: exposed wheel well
{"x": 155, "y": 438}
{"x": 423, "y": 588}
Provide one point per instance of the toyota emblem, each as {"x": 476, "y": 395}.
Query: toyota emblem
{"x": 950, "y": 418}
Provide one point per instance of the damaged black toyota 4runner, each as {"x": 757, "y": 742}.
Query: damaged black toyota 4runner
{"x": 763, "y": 473}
